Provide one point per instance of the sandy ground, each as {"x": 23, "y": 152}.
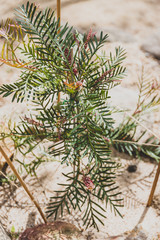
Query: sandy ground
{"x": 134, "y": 21}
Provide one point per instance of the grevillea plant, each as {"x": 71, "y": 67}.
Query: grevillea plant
{"x": 79, "y": 127}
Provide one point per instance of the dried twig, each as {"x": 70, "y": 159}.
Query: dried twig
{"x": 22, "y": 183}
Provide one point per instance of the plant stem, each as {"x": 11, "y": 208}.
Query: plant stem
{"x": 23, "y": 183}
{"x": 59, "y": 18}
{"x": 59, "y": 12}
{"x": 78, "y": 167}
{"x": 154, "y": 186}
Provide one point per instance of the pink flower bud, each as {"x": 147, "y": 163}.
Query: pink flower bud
{"x": 88, "y": 182}
{"x": 75, "y": 38}
{"x": 75, "y": 71}
{"x": 33, "y": 122}
{"x": 79, "y": 84}
{"x": 88, "y": 38}
{"x": 106, "y": 139}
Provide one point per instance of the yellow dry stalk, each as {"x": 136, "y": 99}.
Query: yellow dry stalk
{"x": 13, "y": 36}
{"x": 17, "y": 64}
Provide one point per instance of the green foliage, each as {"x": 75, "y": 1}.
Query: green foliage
{"x": 80, "y": 125}
{"x": 13, "y": 234}
{"x": 126, "y": 137}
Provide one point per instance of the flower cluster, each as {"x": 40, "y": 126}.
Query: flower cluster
{"x": 89, "y": 36}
